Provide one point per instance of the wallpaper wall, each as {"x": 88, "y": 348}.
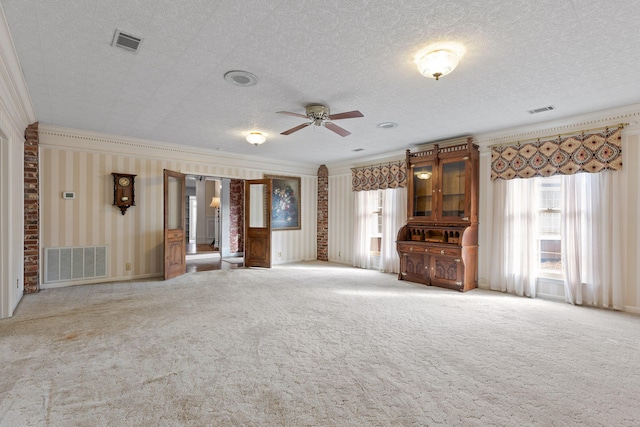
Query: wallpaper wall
{"x": 341, "y": 222}
{"x": 91, "y": 219}
{"x": 631, "y": 181}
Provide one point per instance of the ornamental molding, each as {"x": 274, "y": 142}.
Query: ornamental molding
{"x": 629, "y": 115}
{"x": 88, "y": 141}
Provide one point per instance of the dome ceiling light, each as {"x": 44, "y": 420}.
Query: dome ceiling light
{"x": 256, "y": 138}
{"x": 439, "y": 59}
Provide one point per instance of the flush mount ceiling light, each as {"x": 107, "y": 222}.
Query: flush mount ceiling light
{"x": 241, "y": 78}
{"x": 439, "y": 59}
{"x": 256, "y": 138}
{"x": 387, "y": 125}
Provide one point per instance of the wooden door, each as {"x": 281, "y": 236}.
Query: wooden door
{"x": 257, "y": 223}
{"x": 175, "y": 244}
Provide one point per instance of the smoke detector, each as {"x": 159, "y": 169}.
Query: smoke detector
{"x": 241, "y": 78}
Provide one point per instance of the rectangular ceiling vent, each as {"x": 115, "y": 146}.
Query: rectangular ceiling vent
{"x": 126, "y": 41}
{"x": 540, "y": 110}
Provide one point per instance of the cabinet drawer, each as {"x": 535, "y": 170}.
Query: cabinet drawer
{"x": 456, "y": 252}
{"x": 408, "y": 247}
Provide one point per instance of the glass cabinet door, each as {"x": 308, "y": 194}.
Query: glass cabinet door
{"x": 423, "y": 202}
{"x": 453, "y": 189}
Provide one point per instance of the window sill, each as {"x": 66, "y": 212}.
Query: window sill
{"x": 554, "y": 280}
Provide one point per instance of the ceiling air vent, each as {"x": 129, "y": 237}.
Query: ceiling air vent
{"x": 540, "y": 110}
{"x": 126, "y": 41}
{"x": 358, "y": 149}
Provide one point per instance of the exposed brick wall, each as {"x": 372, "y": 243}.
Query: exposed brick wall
{"x": 31, "y": 210}
{"x": 323, "y": 213}
{"x": 236, "y": 223}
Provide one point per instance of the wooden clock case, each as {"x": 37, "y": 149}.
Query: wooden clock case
{"x": 124, "y": 195}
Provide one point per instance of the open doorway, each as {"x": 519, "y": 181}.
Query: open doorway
{"x": 214, "y": 223}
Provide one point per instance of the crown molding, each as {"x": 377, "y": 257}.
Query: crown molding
{"x": 14, "y": 93}
{"x": 628, "y": 115}
{"x": 76, "y": 139}
{"x": 344, "y": 168}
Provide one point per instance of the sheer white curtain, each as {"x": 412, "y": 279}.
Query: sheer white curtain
{"x": 363, "y": 226}
{"x": 514, "y": 251}
{"x": 592, "y": 239}
{"x": 394, "y": 216}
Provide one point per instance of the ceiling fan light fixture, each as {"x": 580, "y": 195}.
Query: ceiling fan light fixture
{"x": 256, "y": 138}
{"x": 320, "y": 116}
{"x": 439, "y": 59}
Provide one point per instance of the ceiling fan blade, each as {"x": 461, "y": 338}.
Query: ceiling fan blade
{"x": 295, "y": 129}
{"x": 288, "y": 113}
{"x": 348, "y": 115}
{"x": 337, "y": 129}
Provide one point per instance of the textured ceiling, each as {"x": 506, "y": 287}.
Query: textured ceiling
{"x": 579, "y": 56}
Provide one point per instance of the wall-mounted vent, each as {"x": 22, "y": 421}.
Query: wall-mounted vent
{"x": 358, "y": 149}
{"x": 68, "y": 264}
{"x": 543, "y": 109}
{"x": 126, "y": 41}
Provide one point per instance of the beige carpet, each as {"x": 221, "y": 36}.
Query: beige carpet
{"x": 312, "y": 344}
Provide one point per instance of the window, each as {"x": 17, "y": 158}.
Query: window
{"x": 379, "y": 214}
{"x": 376, "y": 222}
{"x": 548, "y": 202}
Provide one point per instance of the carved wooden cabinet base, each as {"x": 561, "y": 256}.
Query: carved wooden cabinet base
{"x": 439, "y": 244}
{"x": 450, "y": 264}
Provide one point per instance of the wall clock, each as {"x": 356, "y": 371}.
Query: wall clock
{"x": 124, "y": 195}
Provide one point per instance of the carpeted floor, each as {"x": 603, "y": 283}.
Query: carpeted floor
{"x": 312, "y": 344}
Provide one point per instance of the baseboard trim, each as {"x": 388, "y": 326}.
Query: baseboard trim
{"x": 631, "y": 309}
{"x": 98, "y": 281}
{"x": 551, "y": 297}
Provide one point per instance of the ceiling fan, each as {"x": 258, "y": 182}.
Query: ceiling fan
{"x": 320, "y": 116}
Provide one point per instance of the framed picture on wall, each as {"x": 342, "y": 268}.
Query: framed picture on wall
{"x": 285, "y": 202}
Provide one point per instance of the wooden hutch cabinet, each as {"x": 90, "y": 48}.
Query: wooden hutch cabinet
{"x": 439, "y": 244}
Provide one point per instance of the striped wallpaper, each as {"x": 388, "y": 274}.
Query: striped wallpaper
{"x": 630, "y": 181}
{"x": 136, "y": 237}
{"x": 341, "y": 214}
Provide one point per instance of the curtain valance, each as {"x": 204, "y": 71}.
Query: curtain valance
{"x": 594, "y": 152}
{"x": 379, "y": 177}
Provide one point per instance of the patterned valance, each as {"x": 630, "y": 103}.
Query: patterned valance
{"x": 379, "y": 177}
{"x": 592, "y": 153}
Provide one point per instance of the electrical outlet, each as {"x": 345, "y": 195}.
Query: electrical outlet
{"x": 127, "y": 266}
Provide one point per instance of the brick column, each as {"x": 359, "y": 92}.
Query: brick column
{"x": 31, "y": 210}
{"x": 323, "y": 213}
